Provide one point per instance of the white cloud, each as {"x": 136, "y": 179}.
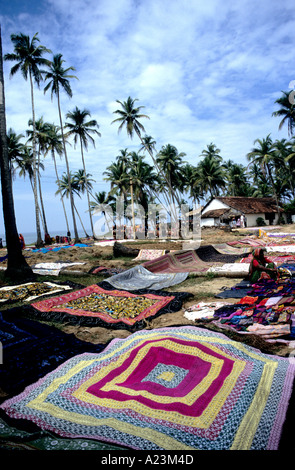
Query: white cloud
{"x": 205, "y": 71}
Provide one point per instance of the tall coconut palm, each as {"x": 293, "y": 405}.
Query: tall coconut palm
{"x": 66, "y": 187}
{"x": 190, "y": 183}
{"x": 286, "y": 111}
{"x": 54, "y": 145}
{"x": 149, "y": 144}
{"x": 210, "y": 175}
{"x": 236, "y": 178}
{"x": 40, "y": 138}
{"x": 29, "y": 57}
{"x": 15, "y": 148}
{"x": 264, "y": 154}
{"x": 117, "y": 175}
{"x": 16, "y": 263}
{"x": 25, "y": 166}
{"x": 58, "y": 79}
{"x": 284, "y": 151}
{"x": 129, "y": 117}
{"x": 99, "y": 203}
{"x": 170, "y": 161}
{"x": 81, "y": 129}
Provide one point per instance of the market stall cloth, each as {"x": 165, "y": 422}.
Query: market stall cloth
{"x": 140, "y": 278}
{"x": 32, "y": 349}
{"x": 95, "y": 305}
{"x": 30, "y": 291}
{"x": 183, "y": 389}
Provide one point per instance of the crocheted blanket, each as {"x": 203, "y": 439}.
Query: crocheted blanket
{"x": 94, "y": 305}
{"x": 182, "y": 388}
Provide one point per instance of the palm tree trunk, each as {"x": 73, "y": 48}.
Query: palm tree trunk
{"x": 16, "y": 264}
{"x": 42, "y": 213}
{"x": 274, "y": 191}
{"x": 86, "y": 235}
{"x": 61, "y": 198}
{"x": 77, "y": 240}
{"x": 39, "y": 241}
{"x": 87, "y": 192}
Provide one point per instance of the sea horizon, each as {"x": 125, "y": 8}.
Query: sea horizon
{"x": 31, "y": 237}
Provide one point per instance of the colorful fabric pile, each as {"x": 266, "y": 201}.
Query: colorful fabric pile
{"x": 169, "y": 389}
{"x": 94, "y": 305}
{"x": 268, "y": 310}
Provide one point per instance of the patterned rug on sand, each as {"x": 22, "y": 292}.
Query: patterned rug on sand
{"x": 94, "y": 305}
{"x": 177, "y": 262}
{"x": 173, "y": 388}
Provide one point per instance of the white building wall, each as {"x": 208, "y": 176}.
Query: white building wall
{"x": 215, "y": 204}
{"x": 209, "y": 222}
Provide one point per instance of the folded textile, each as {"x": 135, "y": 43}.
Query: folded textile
{"x": 52, "y": 269}
{"x": 241, "y": 269}
{"x": 202, "y": 310}
{"x": 177, "y": 388}
{"x": 140, "y": 278}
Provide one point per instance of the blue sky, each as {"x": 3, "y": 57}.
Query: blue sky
{"x": 206, "y": 71}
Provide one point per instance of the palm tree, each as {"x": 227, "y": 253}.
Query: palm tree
{"x": 117, "y": 174}
{"x": 58, "y": 79}
{"x": 210, "y": 174}
{"x": 287, "y": 112}
{"x": 129, "y": 117}
{"x": 236, "y": 178}
{"x": 15, "y": 148}
{"x": 100, "y": 200}
{"x": 212, "y": 152}
{"x": 40, "y": 138}
{"x": 170, "y": 161}
{"x": 264, "y": 154}
{"x": 54, "y": 145}
{"x": 16, "y": 262}
{"x": 190, "y": 184}
{"x": 81, "y": 129}
{"x": 29, "y": 57}
{"x": 25, "y": 166}
{"x": 285, "y": 153}
{"x": 66, "y": 187}
{"x": 148, "y": 144}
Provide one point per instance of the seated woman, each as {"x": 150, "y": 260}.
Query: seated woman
{"x": 22, "y": 241}
{"x": 261, "y": 267}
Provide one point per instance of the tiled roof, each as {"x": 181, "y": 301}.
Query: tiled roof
{"x": 251, "y": 205}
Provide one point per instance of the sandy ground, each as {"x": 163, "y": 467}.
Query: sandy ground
{"x": 202, "y": 288}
